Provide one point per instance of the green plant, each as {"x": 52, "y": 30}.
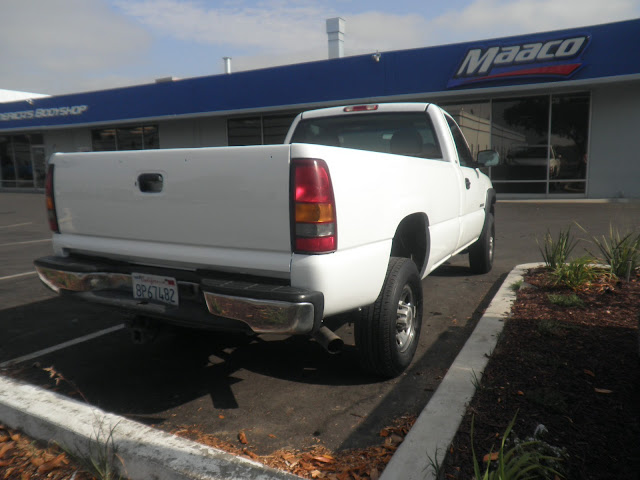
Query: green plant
{"x": 524, "y": 460}
{"x": 435, "y": 464}
{"x": 556, "y": 252}
{"x": 567, "y": 301}
{"x": 579, "y": 273}
{"x": 102, "y": 456}
{"x": 476, "y": 380}
{"x": 515, "y": 286}
{"x": 621, "y": 252}
{"x": 549, "y": 327}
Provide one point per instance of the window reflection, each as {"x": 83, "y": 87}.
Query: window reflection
{"x": 569, "y": 139}
{"x": 21, "y": 164}
{"x": 519, "y": 133}
{"x": 474, "y": 119}
{"x": 129, "y": 138}
{"x": 267, "y": 130}
{"x": 536, "y": 157}
{"x": 22, "y": 159}
{"x": 7, "y": 167}
{"x": 125, "y": 138}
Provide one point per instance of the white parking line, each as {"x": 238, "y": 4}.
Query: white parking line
{"x": 18, "y": 275}
{"x": 61, "y": 346}
{"x": 25, "y": 243}
{"x": 16, "y": 225}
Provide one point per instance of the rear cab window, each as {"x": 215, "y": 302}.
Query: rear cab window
{"x": 402, "y": 133}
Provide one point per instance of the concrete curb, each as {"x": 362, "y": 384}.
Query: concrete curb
{"x": 146, "y": 453}
{"x": 438, "y": 423}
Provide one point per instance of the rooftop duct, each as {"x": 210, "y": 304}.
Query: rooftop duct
{"x": 335, "y": 32}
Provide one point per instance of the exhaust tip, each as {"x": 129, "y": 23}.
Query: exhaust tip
{"x": 331, "y": 342}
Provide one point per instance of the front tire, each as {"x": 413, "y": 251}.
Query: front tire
{"x": 481, "y": 253}
{"x": 387, "y": 332}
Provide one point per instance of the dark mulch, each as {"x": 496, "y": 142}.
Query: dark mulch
{"x": 575, "y": 369}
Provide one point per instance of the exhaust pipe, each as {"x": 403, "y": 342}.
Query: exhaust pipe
{"x": 329, "y": 340}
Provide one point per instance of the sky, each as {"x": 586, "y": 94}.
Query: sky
{"x": 68, "y": 46}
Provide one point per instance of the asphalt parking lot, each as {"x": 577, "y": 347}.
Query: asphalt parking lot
{"x": 281, "y": 392}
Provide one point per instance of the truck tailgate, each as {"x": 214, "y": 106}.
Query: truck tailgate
{"x": 216, "y": 207}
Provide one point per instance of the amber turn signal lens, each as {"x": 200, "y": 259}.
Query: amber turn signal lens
{"x": 314, "y": 212}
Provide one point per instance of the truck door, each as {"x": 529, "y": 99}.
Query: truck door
{"x": 472, "y": 194}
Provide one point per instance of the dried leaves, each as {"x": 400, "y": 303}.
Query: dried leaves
{"x": 318, "y": 462}
{"x": 21, "y": 458}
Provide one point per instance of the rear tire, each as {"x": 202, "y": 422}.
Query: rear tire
{"x": 481, "y": 253}
{"x": 387, "y": 332}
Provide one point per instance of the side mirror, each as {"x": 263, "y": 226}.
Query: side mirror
{"x": 488, "y": 158}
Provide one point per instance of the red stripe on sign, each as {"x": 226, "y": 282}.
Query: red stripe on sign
{"x": 171, "y": 282}
{"x": 553, "y": 70}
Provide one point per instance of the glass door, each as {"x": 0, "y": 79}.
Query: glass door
{"x": 39, "y": 162}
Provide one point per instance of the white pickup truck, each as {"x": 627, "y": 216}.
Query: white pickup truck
{"x": 358, "y": 205}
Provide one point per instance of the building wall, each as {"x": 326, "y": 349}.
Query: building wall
{"x": 201, "y": 132}
{"x": 614, "y": 171}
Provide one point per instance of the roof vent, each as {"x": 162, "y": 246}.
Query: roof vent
{"x": 335, "y": 32}
{"x": 227, "y": 64}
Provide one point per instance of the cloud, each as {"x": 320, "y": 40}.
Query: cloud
{"x": 275, "y": 32}
{"x": 272, "y": 26}
{"x": 60, "y": 46}
{"x": 496, "y": 18}
{"x": 63, "y": 41}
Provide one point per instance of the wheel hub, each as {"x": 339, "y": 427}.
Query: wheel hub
{"x": 405, "y": 323}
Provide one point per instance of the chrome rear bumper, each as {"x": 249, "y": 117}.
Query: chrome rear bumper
{"x": 207, "y": 300}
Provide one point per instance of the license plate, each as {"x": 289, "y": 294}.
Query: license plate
{"x": 155, "y": 288}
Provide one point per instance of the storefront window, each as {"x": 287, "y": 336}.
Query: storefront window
{"x": 265, "y": 130}
{"x": 150, "y": 137}
{"x": 141, "y": 137}
{"x": 20, "y": 163}
{"x": 39, "y": 165}
{"x": 244, "y": 131}
{"x": 129, "y": 138}
{"x": 22, "y": 157}
{"x": 103, "y": 140}
{"x": 569, "y": 140}
{"x": 520, "y": 132}
{"x": 542, "y": 140}
{"x": 7, "y": 167}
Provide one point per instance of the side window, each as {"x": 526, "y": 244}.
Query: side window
{"x": 464, "y": 154}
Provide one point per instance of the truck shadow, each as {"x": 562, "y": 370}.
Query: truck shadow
{"x": 194, "y": 377}
{"x": 179, "y": 366}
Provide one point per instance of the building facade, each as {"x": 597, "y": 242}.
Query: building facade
{"x": 561, "y": 108}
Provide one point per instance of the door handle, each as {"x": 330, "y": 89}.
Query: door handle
{"x": 467, "y": 183}
{"x": 150, "y": 182}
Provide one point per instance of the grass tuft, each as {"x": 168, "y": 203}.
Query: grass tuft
{"x": 555, "y": 252}
{"x": 526, "y": 459}
{"x": 620, "y": 251}
{"x": 568, "y": 301}
{"x": 580, "y": 273}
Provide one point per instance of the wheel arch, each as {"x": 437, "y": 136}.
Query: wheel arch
{"x": 411, "y": 240}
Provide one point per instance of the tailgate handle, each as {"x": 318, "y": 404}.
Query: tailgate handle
{"x": 150, "y": 182}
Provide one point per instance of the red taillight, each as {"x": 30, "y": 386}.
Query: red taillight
{"x": 361, "y": 108}
{"x": 51, "y": 203}
{"x": 313, "y": 209}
